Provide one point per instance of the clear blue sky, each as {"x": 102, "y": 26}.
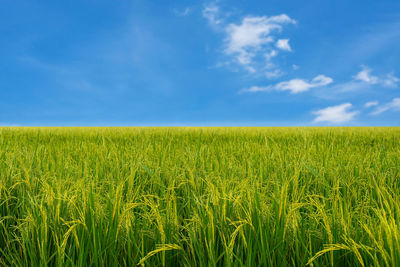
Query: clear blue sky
{"x": 205, "y": 63}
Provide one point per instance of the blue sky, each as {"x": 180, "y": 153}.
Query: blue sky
{"x": 200, "y": 63}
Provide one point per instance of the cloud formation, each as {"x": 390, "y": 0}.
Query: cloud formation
{"x": 392, "y": 105}
{"x": 299, "y": 85}
{"x": 335, "y": 114}
{"x": 273, "y": 74}
{"x": 365, "y": 76}
{"x": 363, "y": 81}
{"x": 283, "y": 44}
{"x": 251, "y": 43}
{"x": 294, "y": 86}
{"x": 390, "y": 80}
{"x": 371, "y": 104}
{"x": 212, "y": 13}
{"x": 253, "y": 36}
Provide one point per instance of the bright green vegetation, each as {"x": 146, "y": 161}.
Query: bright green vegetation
{"x": 200, "y": 196}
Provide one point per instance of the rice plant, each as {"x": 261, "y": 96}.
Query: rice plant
{"x": 199, "y": 196}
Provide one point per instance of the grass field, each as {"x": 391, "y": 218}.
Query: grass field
{"x": 199, "y": 196}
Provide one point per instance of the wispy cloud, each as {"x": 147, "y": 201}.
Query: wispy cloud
{"x": 300, "y": 85}
{"x": 294, "y": 86}
{"x": 211, "y": 12}
{"x": 364, "y": 81}
{"x": 270, "y": 54}
{"x": 371, "y": 104}
{"x": 346, "y": 87}
{"x": 335, "y": 114}
{"x": 388, "y": 80}
{"x": 366, "y": 76}
{"x": 182, "y": 12}
{"x": 392, "y": 105}
{"x": 274, "y": 74}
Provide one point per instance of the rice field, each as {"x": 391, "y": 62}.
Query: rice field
{"x": 199, "y": 196}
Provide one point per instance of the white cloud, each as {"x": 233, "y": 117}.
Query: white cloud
{"x": 364, "y": 81}
{"x": 371, "y": 104}
{"x": 271, "y": 54}
{"x": 212, "y": 13}
{"x": 252, "y": 36}
{"x": 182, "y": 12}
{"x": 255, "y": 88}
{"x": 283, "y": 44}
{"x": 253, "y": 42}
{"x": 294, "y": 86}
{"x": 365, "y": 76}
{"x": 335, "y": 114}
{"x": 390, "y": 80}
{"x": 299, "y": 85}
{"x": 392, "y": 105}
{"x": 295, "y": 67}
{"x": 273, "y": 74}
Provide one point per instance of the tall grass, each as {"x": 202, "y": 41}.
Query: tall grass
{"x": 199, "y": 196}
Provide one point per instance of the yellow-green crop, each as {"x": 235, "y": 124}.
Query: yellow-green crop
{"x": 199, "y": 196}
